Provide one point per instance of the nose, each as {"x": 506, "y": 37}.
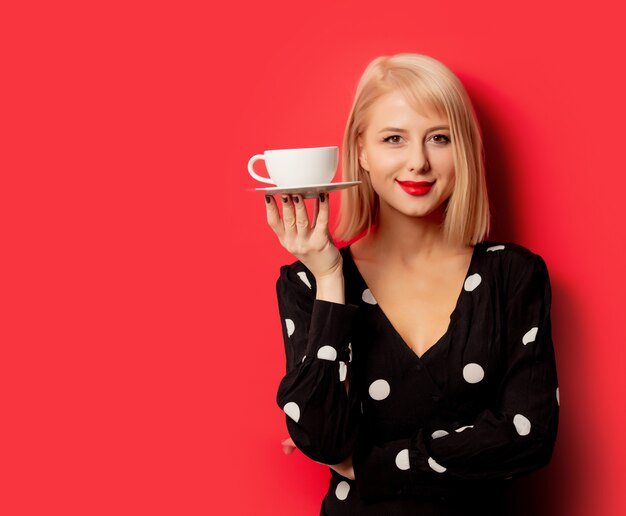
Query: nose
{"x": 417, "y": 159}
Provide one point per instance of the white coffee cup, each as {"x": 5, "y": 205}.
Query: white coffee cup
{"x": 297, "y": 167}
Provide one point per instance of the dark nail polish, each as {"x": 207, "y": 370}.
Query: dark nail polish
{"x": 296, "y": 199}
{"x": 268, "y": 199}
{"x": 285, "y": 199}
{"x": 322, "y": 196}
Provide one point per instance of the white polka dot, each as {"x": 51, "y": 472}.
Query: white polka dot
{"x": 495, "y": 248}
{"x": 342, "y": 490}
{"x": 473, "y": 373}
{"x": 530, "y": 335}
{"x": 379, "y": 390}
{"x": 350, "y": 351}
{"x": 291, "y": 327}
{"x": 292, "y": 410}
{"x": 304, "y": 279}
{"x": 472, "y": 282}
{"x": 522, "y": 425}
{"x": 438, "y": 433}
{"x": 303, "y": 358}
{"x": 368, "y": 297}
{"x": 557, "y": 397}
{"x": 343, "y": 371}
{"x": 464, "y": 428}
{"x": 327, "y": 353}
{"x": 437, "y": 467}
{"x": 402, "y": 460}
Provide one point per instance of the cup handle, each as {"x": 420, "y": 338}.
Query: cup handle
{"x": 253, "y": 173}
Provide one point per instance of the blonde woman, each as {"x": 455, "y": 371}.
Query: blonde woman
{"x": 420, "y": 363}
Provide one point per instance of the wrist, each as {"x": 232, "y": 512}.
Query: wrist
{"x": 330, "y": 287}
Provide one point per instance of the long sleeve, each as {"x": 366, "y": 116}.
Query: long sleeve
{"x": 321, "y": 415}
{"x": 514, "y": 437}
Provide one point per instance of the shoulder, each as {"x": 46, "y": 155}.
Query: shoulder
{"x": 514, "y": 263}
{"x": 512, "y": 254}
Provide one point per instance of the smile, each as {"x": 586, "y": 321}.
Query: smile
{"x": 416, "y": 188}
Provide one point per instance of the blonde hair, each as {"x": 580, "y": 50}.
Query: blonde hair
{"x": 424, "y": 81}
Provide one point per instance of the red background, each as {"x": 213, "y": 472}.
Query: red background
{"x": 141, "y": 346}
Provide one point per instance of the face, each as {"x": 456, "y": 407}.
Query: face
{"x": 408, "y": 156}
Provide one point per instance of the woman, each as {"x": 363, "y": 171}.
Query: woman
{"x": 420, "y": 363}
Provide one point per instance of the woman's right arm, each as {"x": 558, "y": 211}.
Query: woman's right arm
{"x": 321, "y": 412}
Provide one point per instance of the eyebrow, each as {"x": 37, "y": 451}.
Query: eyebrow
{"x": 400, "y": 130}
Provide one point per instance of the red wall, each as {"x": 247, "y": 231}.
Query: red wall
{"x": 140, "y": 335}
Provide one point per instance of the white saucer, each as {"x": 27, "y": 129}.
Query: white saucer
{"x": 307, "y": 191}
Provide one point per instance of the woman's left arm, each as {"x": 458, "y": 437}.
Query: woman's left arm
{"x": 515, "y": 438}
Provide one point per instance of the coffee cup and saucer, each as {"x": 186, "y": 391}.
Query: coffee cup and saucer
{"x": 307, "y": 171}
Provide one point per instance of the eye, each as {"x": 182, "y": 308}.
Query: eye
{"x": 441, "y": 138}
{"x": 390, "y": 139}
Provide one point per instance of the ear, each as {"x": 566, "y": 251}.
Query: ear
{"x": 362, "y": 155}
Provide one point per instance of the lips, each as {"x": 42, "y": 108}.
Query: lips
{"x": 415, "y": 187}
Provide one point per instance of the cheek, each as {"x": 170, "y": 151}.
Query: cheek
{"x": 445, "y": 165}
{"x": 386, "y": 161}
{"x": 443, "y": 159}
{"x": 450, "y": 182}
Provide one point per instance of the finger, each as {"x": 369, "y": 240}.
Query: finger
{"x": 273, "y": 216}
{"x": 302, "y": 217}
{"x": 315, "y": 212}
{"x": 289, "y": 216}
{"x": 321, "y": 222}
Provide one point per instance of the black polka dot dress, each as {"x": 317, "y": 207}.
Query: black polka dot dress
{"x": 437, "y": 434}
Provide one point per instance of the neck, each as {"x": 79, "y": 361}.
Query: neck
{"x": 408, "y": 239}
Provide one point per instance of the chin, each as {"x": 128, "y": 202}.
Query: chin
{"x": 414, "y": 207}
{"x": 415, "y": 211}
{"x": 424, "y": 210}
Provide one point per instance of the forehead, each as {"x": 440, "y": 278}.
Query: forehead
{"x": 394, "y": 109}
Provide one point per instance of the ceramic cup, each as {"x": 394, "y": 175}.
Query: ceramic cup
{"x": 297, "y": 167}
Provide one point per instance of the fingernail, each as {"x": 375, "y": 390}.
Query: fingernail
{"x": 296, "y": 199}
{"x": 285, "y": 199}
{"x": 322, "y": 196}
{"x": 268, "y": 199}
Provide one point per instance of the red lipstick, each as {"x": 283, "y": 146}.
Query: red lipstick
{"x": 416, "y": 188}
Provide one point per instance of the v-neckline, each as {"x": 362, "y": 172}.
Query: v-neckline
{"x": 388, "y": 322}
